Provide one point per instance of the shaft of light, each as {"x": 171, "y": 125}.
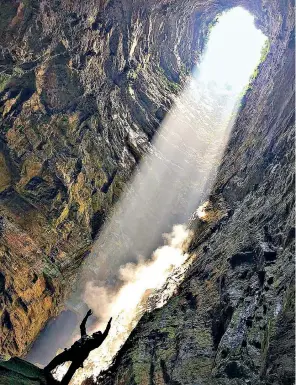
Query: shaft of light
{"x": 120, "y": 276}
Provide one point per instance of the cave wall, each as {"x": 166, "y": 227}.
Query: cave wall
{"x": 83, "y": 87}
{"x": 232, "y": 319}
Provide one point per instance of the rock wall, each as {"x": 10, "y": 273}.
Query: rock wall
{"x": 83, "y": 87}
{"x": 17, "y": 371}
{"x": 232, "y": 319}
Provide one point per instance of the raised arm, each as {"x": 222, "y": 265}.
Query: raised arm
{"x": 83, "y": 323}
{"x": 107, "y": 329}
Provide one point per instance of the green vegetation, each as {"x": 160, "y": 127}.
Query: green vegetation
{"x": 4, "y": 79}
{"x": 193, "y": 365}
{"x": 184, "y": 72}
{"x": 214, "y": 22}
{"x": 17, "y": 72}
{"x": 133, "y": 73}
{"x": 173, "y": 86}
{"x": 264, "y": 53}
{"x": 267, "y": 337}
{"x": 210, "y": 27}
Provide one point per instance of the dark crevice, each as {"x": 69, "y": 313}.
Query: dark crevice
{"x": 2, "y": 282}
{"x": 220, "y": 320}
{"x": 192, "y": 302}
{"x": 167, "y": 379}
{"x": 97, "y": 221}
{"x": 136, "y": 153}
{"x": 107, "y": 184}
{"x": 243, "y": 257}
{"x": 6, "y": 320}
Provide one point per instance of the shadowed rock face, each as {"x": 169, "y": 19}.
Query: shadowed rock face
{"x": 83, "y": 87}
{"x": 17, "y": 371}
{"x": 232, "y": 319}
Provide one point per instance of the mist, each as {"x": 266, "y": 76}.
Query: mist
{"x": 171, "y": 182}
{"x": 175, "y": 177}
{"x": 145, "y": 286}
{"x": 123, "y": 277}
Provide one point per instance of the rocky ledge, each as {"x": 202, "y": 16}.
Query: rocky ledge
{"x": 16, "y": 371}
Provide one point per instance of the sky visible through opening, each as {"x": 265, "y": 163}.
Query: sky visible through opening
{"x": 233, "y": 50}
{"x": 120, "y": 277}
{"x": 169, "y": 186}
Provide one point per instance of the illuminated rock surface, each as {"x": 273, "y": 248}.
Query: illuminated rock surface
{"x": 83, "y": 87}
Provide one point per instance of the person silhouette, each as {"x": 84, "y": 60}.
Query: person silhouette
{"x": 79, "y": 351}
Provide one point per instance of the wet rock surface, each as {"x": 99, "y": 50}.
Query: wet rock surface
{"x": 83, "y": 88}
{"x": 232, "y": 319}
{"x": 17, "y": 371}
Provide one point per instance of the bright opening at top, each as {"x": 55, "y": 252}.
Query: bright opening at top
{"x": 233, "y": 50}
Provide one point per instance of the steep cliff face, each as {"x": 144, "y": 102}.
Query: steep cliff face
{"x": 232, "y": 319}
{"x": 83, "y": 87}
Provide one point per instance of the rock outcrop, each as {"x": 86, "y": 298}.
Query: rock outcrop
{"x": 83, "y": 88}
{"x": 17, "y": 371}
{"x": 232, "y": 319}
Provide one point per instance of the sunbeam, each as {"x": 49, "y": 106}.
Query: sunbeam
{"x": 123, "y": 274}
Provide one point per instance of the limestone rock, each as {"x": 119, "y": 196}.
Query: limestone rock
{"x": 83, "y": 88}
{"x": 231, "y": 321}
